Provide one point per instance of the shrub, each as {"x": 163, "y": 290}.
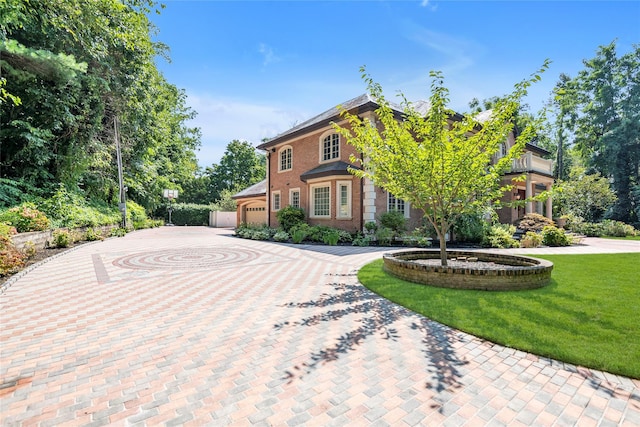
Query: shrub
{"x": 69, "y": 209}
{"x": 554, "y": 236}
{"x": 533, "y": 222}
{"x": 361, "y": 239}
{"x": 92, "y": 235}
{"x": 617, "y": 228}
{"x": 281, "y": 236}
{"x": 11, "y": 259}
{"x": 470, "y": 228}
{"x": 260, "y": 235}
{"x": 190, "y": 214}
{"x": 589, "y": 229}
{"x": 384, "y": 236}
{"x": 25, "y": 218}
{"x": 331, "y": 237}
{"x": 500, "y": 236}
{"x": 289, "y": 217}
{"x": 61, "y": 239}
{"x": 371, "y": 227}
{"x": 118, "y": 232}
{"x": 394, "y": 221}
{"x": 29, "y": 249}
{"x": 531, "y": 240}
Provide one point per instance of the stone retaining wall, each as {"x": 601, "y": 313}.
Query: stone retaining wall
{"x": 44, "y": 239}
{"x": 529, "y": 273}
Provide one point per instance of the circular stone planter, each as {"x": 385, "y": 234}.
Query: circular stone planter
{"x": 500, "y": 272}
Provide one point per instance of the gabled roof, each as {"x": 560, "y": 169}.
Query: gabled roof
{"x": 328, "y": 169}
{"x": 357, "y": 105}
{"x": 259, "y": 189}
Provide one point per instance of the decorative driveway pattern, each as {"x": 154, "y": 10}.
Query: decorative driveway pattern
{"x": 135, "y": 331}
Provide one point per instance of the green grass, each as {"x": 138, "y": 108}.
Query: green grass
{"x": 589, "y": 315}
{"x": 622, "y": 238}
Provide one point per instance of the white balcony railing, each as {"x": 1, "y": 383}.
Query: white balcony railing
{"x": 532, "y": 163}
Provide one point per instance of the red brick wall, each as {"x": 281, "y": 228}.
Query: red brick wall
{"x": 306, "y": 156}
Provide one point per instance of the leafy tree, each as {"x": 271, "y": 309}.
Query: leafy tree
{"x": 606, "y": 96}
{"x": 70, "y": 68}
{"x": 587, "y": 196}
{"x": 441, "y": 162}
{"x": 240, "y": 167}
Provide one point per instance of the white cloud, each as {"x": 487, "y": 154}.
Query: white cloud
{"x": 268, "y": 55}
{"x": 222, "y": 120}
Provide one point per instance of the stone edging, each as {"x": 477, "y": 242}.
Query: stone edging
{"x": 519, "y": 273}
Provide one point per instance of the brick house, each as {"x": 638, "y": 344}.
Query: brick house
{"x": 307, "y": 167}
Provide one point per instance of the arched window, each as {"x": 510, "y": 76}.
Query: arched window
{"x": 286, "y": 159}
{"x": 331, "y": 147}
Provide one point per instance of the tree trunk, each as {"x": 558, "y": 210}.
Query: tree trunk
{"x": 443, "y": 249}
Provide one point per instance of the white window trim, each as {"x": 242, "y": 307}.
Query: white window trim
{"x": 407, "y": 206}
{"x": 321, "y": 147}
{"x": 312, "y": 200}
{"x": 349, "y": 214}
{"x": 280, "y": 158}
{"x": 291, "y": 191}
{"x": 273, "y": 201}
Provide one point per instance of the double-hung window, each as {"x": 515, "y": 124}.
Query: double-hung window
{"x": 331, "y": 147}
{"x": 321, "y": 201}
{"x": 343, "y": 199}
{"x": 275, "y": 201}
{"x": 294, "y": 198}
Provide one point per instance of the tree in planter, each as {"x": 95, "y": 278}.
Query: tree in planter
{"x": 441, "y": 162}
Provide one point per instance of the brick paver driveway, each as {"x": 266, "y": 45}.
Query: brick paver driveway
{"x": 193, "y": 326}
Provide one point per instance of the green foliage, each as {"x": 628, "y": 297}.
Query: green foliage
{"x": 92, "y": 235}
{"x": 70, "y": 209}
{"x": 361, "y": 240}
{"x": 384, "y": 236}
{"x": 240, "y": 167}
{"x": 118, "y": 232}
{"x": 584, "y": 195}
{"x": 531, "y": 240}
{"x": 255, "y": 232}
{"x": 58, "y": 124}
{"x": 605, "y": 120}
{"x": 618, "y": 229}
{"x": 11, "y": 259}
{"x": 500, "y": 236}
{"x": 190, "y": 214}
{"x": 331, "y": 237}
{"x": 394, "y": 220}
{"x": 470, "y": 227}
{"x": 289, "y": 217}
{"x": 553, "y": 236}
{"x": 225, "y": 203}
{"x": 281, "y": 236}
{"x": 299, "y": 232}
{"x": 61, "y": 239}
{"x": 533, "y": 222}
{"x": 25, "y": 217}
{"x": 450, "y": 158}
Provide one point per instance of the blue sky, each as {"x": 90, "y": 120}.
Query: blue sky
{"x": 253, "y": 69}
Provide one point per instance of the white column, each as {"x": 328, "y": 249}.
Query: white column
{"x": 369, "y": 201}
{"x": 549, "y": 203}
{"x": 528, "y": 195}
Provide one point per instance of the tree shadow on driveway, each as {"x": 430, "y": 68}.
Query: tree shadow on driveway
{"x": 378, "y": 318}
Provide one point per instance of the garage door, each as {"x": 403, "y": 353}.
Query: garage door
{"x": 256, "y": 213}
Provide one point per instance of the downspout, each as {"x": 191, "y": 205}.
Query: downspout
{"x": 267, "y": 192}
{"x": 361, "y": 197}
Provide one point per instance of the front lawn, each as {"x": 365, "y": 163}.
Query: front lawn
{"x": 589, "y": 315}
{"x": 622, "y": 238}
